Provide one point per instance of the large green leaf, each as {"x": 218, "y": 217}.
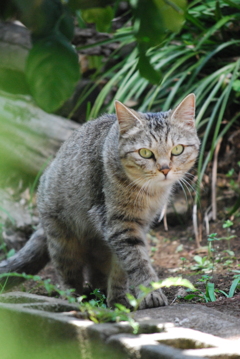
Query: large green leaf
{"x": 52, "y": 71}
{"x": 146, "y": 69}
{"x": 153, "y": 19}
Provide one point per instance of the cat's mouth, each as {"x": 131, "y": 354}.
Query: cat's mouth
{"x": 166, "y": 178}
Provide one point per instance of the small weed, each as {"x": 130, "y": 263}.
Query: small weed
{"x": 210, "y": 290}
{"x": 234, "y": 286}
{"x": 228, "y": 262}
{"x": 207, "y": 263}
{"x": 205, "y": 278}
{"x": 208, "y": 296}
{"x": 101, "y": 314}
{"x": 153, "y": 249}
{"x": 213, "y": 237}
{"x": 100, "y": 299}
{"x": 202, "y": 263}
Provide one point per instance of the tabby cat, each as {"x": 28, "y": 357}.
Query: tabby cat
{"x": 99, "y": 196}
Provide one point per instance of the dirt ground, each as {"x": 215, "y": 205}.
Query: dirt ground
{"x": 173, "y": 253}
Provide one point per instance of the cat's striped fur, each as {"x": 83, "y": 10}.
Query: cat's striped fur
{"x": 99, "y": 196}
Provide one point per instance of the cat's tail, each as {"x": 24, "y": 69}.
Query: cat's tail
{"x": 29, "y": 260}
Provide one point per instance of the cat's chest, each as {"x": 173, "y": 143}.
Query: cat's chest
{"x": 147, "y": 204}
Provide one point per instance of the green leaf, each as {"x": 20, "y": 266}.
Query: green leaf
{"x": 52, "y": 71}
{"x": 146, "y": 69}
{"x": 122, "y": 308}
{"x": 233, "y": 287}
{"x": 222, "y": 292}
{"x": 232, "y": 3}
{"x": 132, "y": 300}
{"x": 210, "y": 291}
{"x": 198, "y": 259}
{"x": 227, "y": 224}
{"x": 102, "y": 17}
{"x": 11, "y": 253}
{"x": 173, "y": 281}
{"x": 153, "y": 19}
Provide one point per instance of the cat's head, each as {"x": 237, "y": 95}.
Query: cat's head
{"x": 158, "y": 148}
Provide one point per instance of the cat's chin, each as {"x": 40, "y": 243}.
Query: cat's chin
{"x": 160, "y": 182}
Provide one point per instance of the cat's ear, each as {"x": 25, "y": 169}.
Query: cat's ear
{"x": 127, "y": 118}
{"x": 185, "y": 111}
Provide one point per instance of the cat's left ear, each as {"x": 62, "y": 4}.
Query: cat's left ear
{"x": 185, "y": 111}
{"x": 127, "y": 118}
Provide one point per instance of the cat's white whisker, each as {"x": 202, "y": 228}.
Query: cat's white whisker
{"x": 188, "y": 174}
{"x": 185, "y": 194}
{"x": 188, "y": 184}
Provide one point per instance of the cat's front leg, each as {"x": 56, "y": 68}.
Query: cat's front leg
{"x": 129, "y": 245}
{"x": 145, "y": 275}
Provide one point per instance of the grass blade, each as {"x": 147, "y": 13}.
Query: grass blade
{"x": 210, "y": 291}
{"x": 233, "y": 287}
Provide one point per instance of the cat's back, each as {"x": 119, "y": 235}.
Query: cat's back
{"x": 89, "y": 136}
{"x": 76, "y": 172}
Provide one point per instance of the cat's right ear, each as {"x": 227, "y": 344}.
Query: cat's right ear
{"x": 185, "y": 112}
{"x": 127, "y": 118}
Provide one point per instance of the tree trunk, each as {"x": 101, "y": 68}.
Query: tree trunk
{"x": 29, "y": 137}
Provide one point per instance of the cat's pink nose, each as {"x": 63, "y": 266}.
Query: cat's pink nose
{"x": 165, "y": 170}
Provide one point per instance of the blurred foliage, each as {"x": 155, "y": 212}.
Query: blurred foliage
{"x": 51, "y": 25}
{"x": 55, "y": 57}
{"x": 51, "y": 56}
{"x": 102, "y": 17}
{"x": 152, "y": 22}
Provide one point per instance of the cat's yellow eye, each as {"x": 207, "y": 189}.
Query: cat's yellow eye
{"x": 177, "y": 150}
{"x": 145, "y": 153}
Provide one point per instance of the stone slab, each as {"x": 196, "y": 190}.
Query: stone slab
{"x": 34, "y": 326}
{"x": 195, "y": 316}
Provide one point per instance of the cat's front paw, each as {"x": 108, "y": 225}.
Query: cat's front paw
{"x": 153, "y": 300}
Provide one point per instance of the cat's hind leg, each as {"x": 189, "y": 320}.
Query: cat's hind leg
{"x": 99, "y": 258}
{"x": 68, "y": 260}
{"x": 68, "y": 256}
